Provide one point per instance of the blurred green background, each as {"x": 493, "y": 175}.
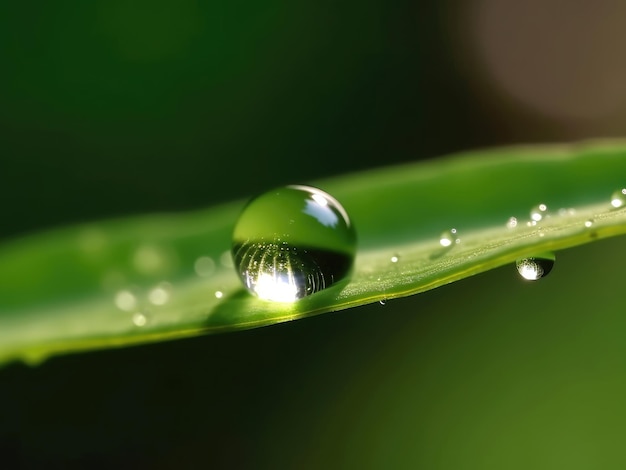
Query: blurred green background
{"x": 111, "y": 108}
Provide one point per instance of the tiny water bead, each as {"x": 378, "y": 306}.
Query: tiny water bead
{"x": 448, "y": 237}
{"x": 512, "y": 222}
{"x": 538, "y": 212}
{"x": 535, "y": 267}
{"x": 292, "y": 242}
{"x": 140, "y": 319}
{"x": 618, "y": 198}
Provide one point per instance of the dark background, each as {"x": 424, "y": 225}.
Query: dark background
{"x": 112, "y": 108}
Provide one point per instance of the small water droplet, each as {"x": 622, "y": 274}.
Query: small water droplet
{"x": 160, "y": 295}
{"x": 292, "y": 242}
{"x": 449, "y": 237}
{"x": 204, "y": 266}
{"x": 140, "y": 319}
{"x": 219, "y": 294}
{"x": 618, "y": 198}
{"x": 125, "y": 300}
{"x": 535, "y": 267}
{"x": 588, "y": 223}
{"x": 152, "y": 259}
{"x": 538, "y": 212}
{"x": 383, "y": 302}
{"x": 512, "y": 222}
{"x": 226, "y": 259}
{"x": 395, "y": 258}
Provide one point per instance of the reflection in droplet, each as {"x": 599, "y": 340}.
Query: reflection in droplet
{"x": 618, "y": 198}
{"x": 204, "y": 266}
{"x": 535, "y": 267}
{"x": 395, "y": 258}
{"x": 449, "y": 237}
{"x": 588, "y": 223}
{"x": 292, "y": 242}
{"x": 382, "y": 302}
{"x": 538, "y": 212}
{"x": 160, "y": 294}
{"x": 219, "y": 294}
{"x": 139, "y": 319}
{"x": 512, "y": 222}
{"x": 125, "y": 300}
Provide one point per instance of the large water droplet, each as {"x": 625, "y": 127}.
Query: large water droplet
{"x": 292, "y": 242}
{"x": 618, "y": 198}
{"x": 535, "y": 267}
{"x": 449, "y": 237}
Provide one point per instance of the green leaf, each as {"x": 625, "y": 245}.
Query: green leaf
{"x": 166, "y": 276}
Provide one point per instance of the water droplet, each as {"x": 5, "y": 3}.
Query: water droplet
{"x": 140, "y": 319}
{"x": 382, "y": 302}
{"x": 125, "y": 300}
{"x": 219, "y": 294}
{"x": 160, "y": 294}
{"x": 226, "y": 259}
{"x": 449, "y": 237}
{"x": 512, "y": 222}
{"x": 204, "y": 266}
{"x": 618, "y": 198}
{"x": 395, "y": 258}
{"x": 588, "y": 223}
{"x": 538, "y": 212}
{"x": 292, "y": 242}
{"x": 535, "y": 267}
{"x": 151, "y": 259}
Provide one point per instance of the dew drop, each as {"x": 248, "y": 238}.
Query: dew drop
{"x": 618, "y": 198}
{"x": 160, "y": 295}
{"x": 140, "y": 319}
{"x": 204, "y": 266}
{"x": 147, "y": 259}
{"x": 383, "y": 302}
{"x": 292, "y": 242}
{"x": 588, "y": 223}
{"x": 395, "y": 258}
{"x": 226, "y": 259}
{"x": 125, "y": 300}
{"x": 219, "y": 294}
{"x": 512, "y": 222}
{"x": 535, "y": 267}
{"x": 449, "y": 237}
{"x": 538, "y": 212}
